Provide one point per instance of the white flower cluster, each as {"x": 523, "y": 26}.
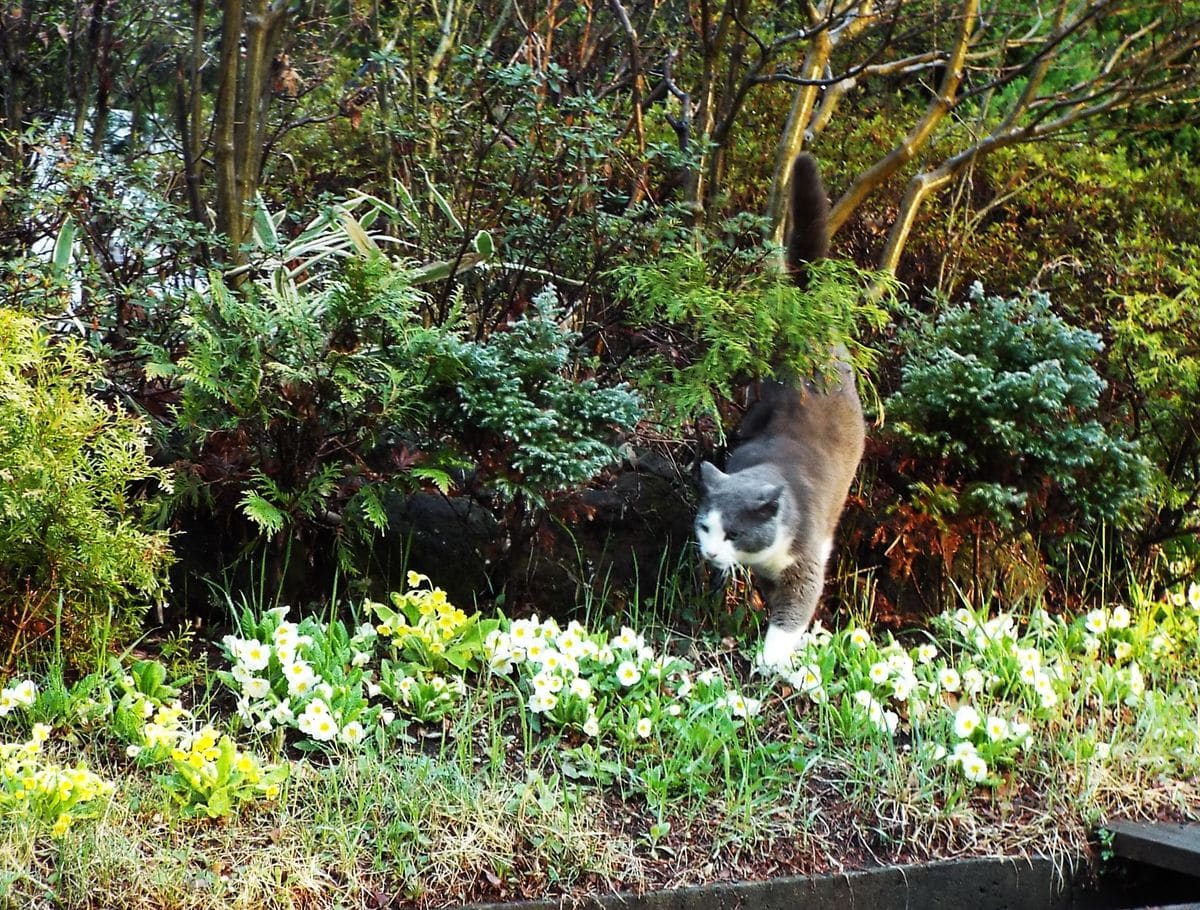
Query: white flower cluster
{"x": 568, "y": 672}
{"x": 278, "y": 684}
{"x": 18, "y": 695}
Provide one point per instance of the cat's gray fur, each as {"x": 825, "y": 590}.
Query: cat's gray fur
{"x": 776, "y": 506}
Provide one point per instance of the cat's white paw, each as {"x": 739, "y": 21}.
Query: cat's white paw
{"x": 778, "y": 647}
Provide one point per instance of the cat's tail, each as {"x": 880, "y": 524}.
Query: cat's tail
{"x": 808, "y": 236}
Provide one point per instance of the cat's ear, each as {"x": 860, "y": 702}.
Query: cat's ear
{"x": 710, "y": 475}
{"x": 767, "y": 500}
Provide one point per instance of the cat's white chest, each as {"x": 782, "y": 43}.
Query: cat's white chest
{"x": 772, "y": 561}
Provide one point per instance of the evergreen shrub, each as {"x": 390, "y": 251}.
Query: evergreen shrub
{"x": 1001, "y": 395}
{"x": 78, "y": 496}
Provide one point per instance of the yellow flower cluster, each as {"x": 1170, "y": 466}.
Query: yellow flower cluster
{"x": 197, "y": 754}
{"x": 30, "y": 783}
{"x": 423, "y": 614}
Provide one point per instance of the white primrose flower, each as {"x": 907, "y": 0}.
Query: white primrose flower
{"x": 570, "y": 643}
{"x": 1119, "y": 618}
{"x": 591, "y": 726}
{"x": 903, "y": 686}
{"x": 1096, "y": 622}
{"x": 949, "y": 679}
{"x": 253, "y": 655}
{"x": 644, "y": 728}
{"x": 961, "y": 751}
{"x": 879, "y": 672}
{"x": 581, "y": 688}
{"x": 973, "y": 681}
{"x": 927, "y": 653}
{"x": 887, "y": 721}
{"x": 320, "y": 727}
{"x": 974, "y": 768}
{"x": 317, "y": 706}
{"x": 1027, "y": 657}
{"x": 361, "y": 658}
{"x": 859, "y": 637}
{"x": 300, "y": 677}
{"x": 405, "y": 689}
{"x": 501, "y": 662}
{"x": 741, "y": 706}
{"x": 1122, "y": 650}
{"x": 541, "y": 702}
{"x": 806, "y": 679}
{"x": 606, "y": 656}
{"x": 1193, "y": 595}
{"x": 353, "y": 733}
{"x": 996, "y": 728}
{"x": 256, "y": 687}
{"x": 966, "y": 721}
{"x": 282, "y": 714}
{"x": 628, "y": 674}
{"x": 674, "y": 709}
{"x": 626, "y": 640}
{"x": 522, "y": 632}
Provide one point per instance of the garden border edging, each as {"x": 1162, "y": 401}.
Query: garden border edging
{"x": 991, "y": 883}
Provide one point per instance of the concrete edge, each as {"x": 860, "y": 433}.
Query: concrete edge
{"x": 988, "y": 883}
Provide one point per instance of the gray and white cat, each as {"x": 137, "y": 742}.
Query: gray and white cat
{"x": 776, "y": 506}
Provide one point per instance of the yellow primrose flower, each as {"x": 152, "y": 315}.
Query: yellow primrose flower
{"x": 61, "y": 825}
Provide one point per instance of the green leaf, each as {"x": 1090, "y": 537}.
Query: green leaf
{"x": 219, "y": 804}
{"x": 64, "y": 243}
{"x": 435, "y": 476}
{"x": 484, "y": 245}
{"x": 263, "y": 226}
{"x": 442, "y": 204}
{"x": 262, "y": 513}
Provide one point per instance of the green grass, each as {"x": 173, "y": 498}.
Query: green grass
{"x": 675, "y": 761}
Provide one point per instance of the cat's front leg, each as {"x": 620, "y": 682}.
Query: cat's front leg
{"x": 792, "y": 599}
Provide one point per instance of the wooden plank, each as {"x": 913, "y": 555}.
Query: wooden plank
{"x": 1166, "y": 845}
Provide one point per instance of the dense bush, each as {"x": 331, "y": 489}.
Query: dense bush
{"x": 547, "y": 430}
{"x": 302, "y": 405}
{"x": 1001, "y": 395}
{"x": 704, "y": 330}
{"x": 77, "y": 495}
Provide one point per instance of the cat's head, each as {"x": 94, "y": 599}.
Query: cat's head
{"x": 739, "y": 518}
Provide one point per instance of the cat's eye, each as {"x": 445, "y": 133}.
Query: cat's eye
{"x": 704, "y": 528}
